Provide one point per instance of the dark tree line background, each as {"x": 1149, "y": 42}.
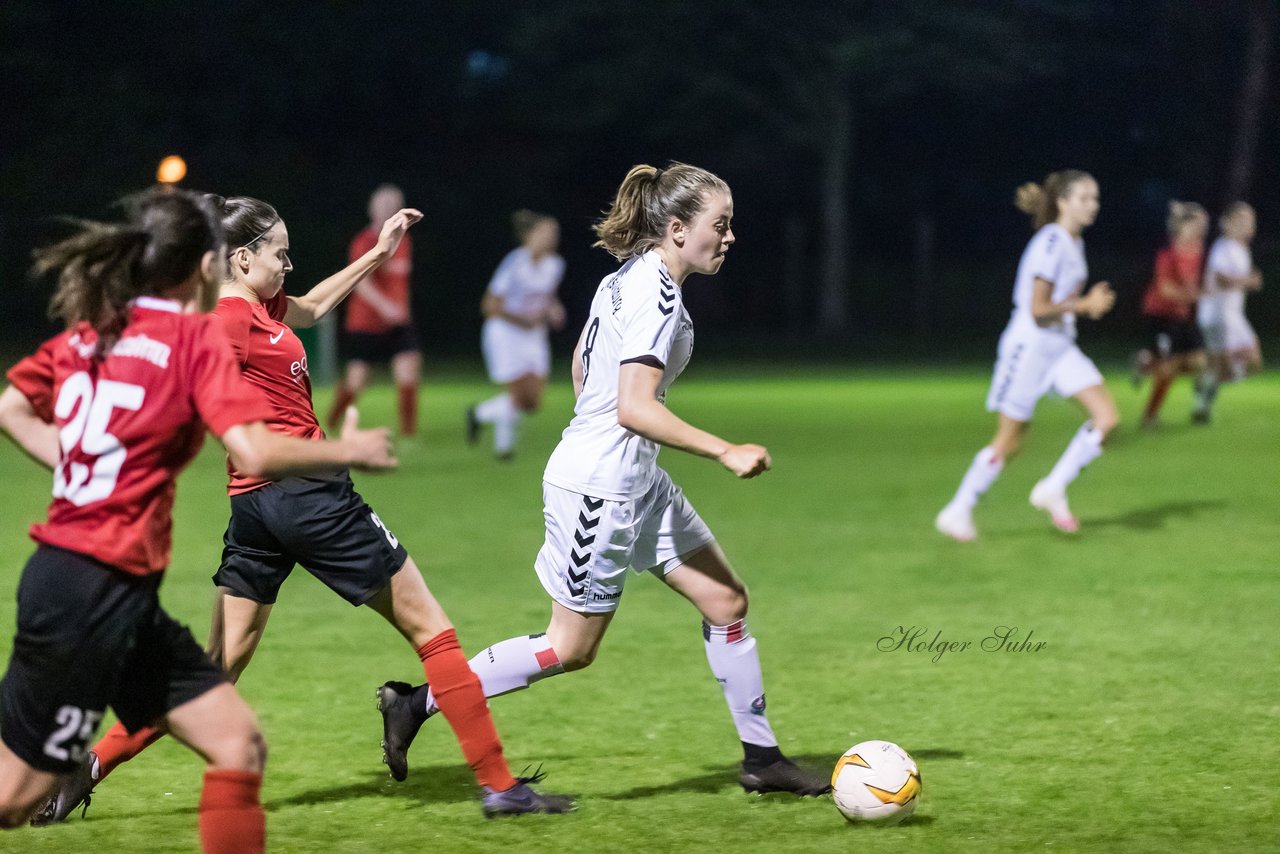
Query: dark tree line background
{"x": 873, "y": 145}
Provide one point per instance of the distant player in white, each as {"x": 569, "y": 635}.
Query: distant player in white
{"x": 519, "y": 307}
{"x": 1038, "y": 353}
{"x": 608, "y": 507}
{"x": 1229, "y": 339}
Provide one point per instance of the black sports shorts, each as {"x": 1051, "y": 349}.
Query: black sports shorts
{"x": 321, "y": 523}
{"x": 1169, "y": 337}
{"x": 381, "y": 346}
{"x": 91, "y": 636}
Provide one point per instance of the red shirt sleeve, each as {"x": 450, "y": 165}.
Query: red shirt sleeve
{"x": 235, "y": 317}
{"x": 222, "y": 396}
{"x": 33, "y": 376}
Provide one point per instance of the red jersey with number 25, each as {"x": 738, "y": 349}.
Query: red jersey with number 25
{"x": 272, "y": 360}
{"x": 128, "y": 424}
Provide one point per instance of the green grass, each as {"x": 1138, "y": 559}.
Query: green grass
{"x": 1147, "y": 723}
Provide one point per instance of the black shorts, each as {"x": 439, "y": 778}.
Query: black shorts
{"x": 1169, "y": 337}
{"x": 381, "y": 346}
{"x": 90, "y": 636}
{"x": 322, "y": 524}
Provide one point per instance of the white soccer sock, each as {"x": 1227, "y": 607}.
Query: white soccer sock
{"x": 731, "y": 652}
{"x": 982, "y": 472}
{"x": 1085, "y": 447}
{"x": 505, "y": 430}
{"x": 511, "y": 665}
{"x": 1206, "y": 389}
{"x": 495, "y": 408}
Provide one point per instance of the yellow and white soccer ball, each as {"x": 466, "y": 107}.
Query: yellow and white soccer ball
{"x": 877, "y": 782}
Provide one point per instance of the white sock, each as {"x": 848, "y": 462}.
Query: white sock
{"x": 1206, "y": 389}
{"x": 495, "y": 408}
{"x": 511, "y": 665}
{"x": 982, "y": 472}
{"x": 1084, "y": 448}
{"x": 731, "y": 652}
{"x": 505, "y": 430}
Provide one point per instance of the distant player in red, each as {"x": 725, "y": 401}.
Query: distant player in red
{"x": 117, "y": 405}
{"x": 1168, "y": 307}
{"x": 320, "y": 521}
{"x": 379, "y": 327}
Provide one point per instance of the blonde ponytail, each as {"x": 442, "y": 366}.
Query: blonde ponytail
{"x": 647, "y": 200}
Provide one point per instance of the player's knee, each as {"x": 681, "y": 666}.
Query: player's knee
{"x": 243, "y": 749}
{"x": 1106, "y": 421}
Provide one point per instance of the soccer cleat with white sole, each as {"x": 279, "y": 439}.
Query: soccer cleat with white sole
{"x": 1054, "y": 502}
{"x": 957, "y": 523}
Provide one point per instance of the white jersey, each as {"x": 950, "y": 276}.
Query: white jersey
{"x": 637, "y": 315}
{"x": 1057, "y": 257}
{"x": 525, "y": 285}
{"x": 1230, "y": 258}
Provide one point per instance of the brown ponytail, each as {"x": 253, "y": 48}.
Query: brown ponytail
{"x": 1040, "y": 201}
{"x": 647, "y": 200}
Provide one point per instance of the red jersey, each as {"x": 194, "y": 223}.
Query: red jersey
{"x": 128, "y": 424}
{"x": 391, "y": 280}
{"x": 272, "y": 360}
{"x": 1182, "y": 268}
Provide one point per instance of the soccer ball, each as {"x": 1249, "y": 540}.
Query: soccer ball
{"x": 876, "y": 781}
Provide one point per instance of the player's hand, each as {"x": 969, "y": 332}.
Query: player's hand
{"x": 1255, "y": 279}
{"x": 1098, "y": 301}
{"x": 370, "y": 449}
{"x": 395, "y": 315}
{"x": 394, "y": 228}
{"x": 746, "y": 461}
{"x": 555, "y": 316}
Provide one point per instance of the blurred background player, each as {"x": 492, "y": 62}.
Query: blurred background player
{"x": 519, "y": 307}
{"x": 1038, "y": 353}
{"x": 117, "y": 405}
{"x": 1229, "y": 275}
{"x": 379, "y": 320}
{"x": 319, "y": 521}
{"x": 608, "y": 507}
{"x": 1174, "y": 344}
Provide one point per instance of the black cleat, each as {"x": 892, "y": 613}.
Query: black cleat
{"x": 473, "y": 426}
{"x": 783, "y": 776}
{"x": 400, "y": 724}
{"x": 521, "y": 800}
{"x": 75, "y": 789}
{"x": 1200, "y": 416}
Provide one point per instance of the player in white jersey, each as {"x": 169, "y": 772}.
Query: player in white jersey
{"x": 609, "y": 508}
{"x": 1229, "y": 339}
{"x": 1038, "y": 353}
{"x": 519, "y": 306}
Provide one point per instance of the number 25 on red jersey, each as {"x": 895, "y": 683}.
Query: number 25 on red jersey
{"x": 82, "y": 482}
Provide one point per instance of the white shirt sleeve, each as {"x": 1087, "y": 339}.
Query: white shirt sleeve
{"x": 501, "y": 283}
{"x": 650, "y": 324}
{"x": 1047, "y": 253}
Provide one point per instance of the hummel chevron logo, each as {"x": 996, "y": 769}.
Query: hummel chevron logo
{"x": 583, "y": 541}
{"x": 593, "y": 504}
{"x": 578, "y": 577}
{"x": 580, "y": 560}
{"x": 666, "y": 309}
{"x": 586, "y": 523}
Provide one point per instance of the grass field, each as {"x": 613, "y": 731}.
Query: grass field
{"x": 1147, "y": 722}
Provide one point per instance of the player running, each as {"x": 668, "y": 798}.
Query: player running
{"x": 320, "y": 521}
{"x": 519, "y": 307}
{"x": 608, "y": 506}
{"x": 117, "y": 405}
{"x": 1233, "y": 347}
{"x": 1038, "y": 353}
{"x": 379, "y": 322}
{"x": 1175, "y": 344}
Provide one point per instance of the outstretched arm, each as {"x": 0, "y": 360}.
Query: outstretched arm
{"x": 35, "y": 436}
{"x": 324, "y": 297}
{"x": 258, "y": 451}
{"x": 640, "y": 412}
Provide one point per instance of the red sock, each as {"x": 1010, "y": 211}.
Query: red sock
{"x": 408, "y": 409}
{"x": 1159, "y": 388}
{"x": 231, "y": 816}
{"x": 460, "y": 697}
{"x": 342, "y": 398}
{"x": 117, "y": 747}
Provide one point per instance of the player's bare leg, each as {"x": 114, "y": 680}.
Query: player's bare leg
{"x": 23, "y": 789}
{"x": 347, "y": 391}
{"x": 710, "y": 584}
{"x": 406, "y": 370}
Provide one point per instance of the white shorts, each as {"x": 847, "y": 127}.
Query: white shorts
{"x": 1227, "y": 333}
{"x": 591, "y": 542}
{"x": 511, "y": 351}
{"x": 1031, "y": 365}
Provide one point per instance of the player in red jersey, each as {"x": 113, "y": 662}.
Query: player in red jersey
{"x": 320, "y": 522}
{"x": 379, "y": 326}
{"x": 117, "y": 405}
{"x": 1168, "y": 306}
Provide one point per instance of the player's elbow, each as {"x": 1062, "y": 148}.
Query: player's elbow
{"x": 630, "y": 415}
